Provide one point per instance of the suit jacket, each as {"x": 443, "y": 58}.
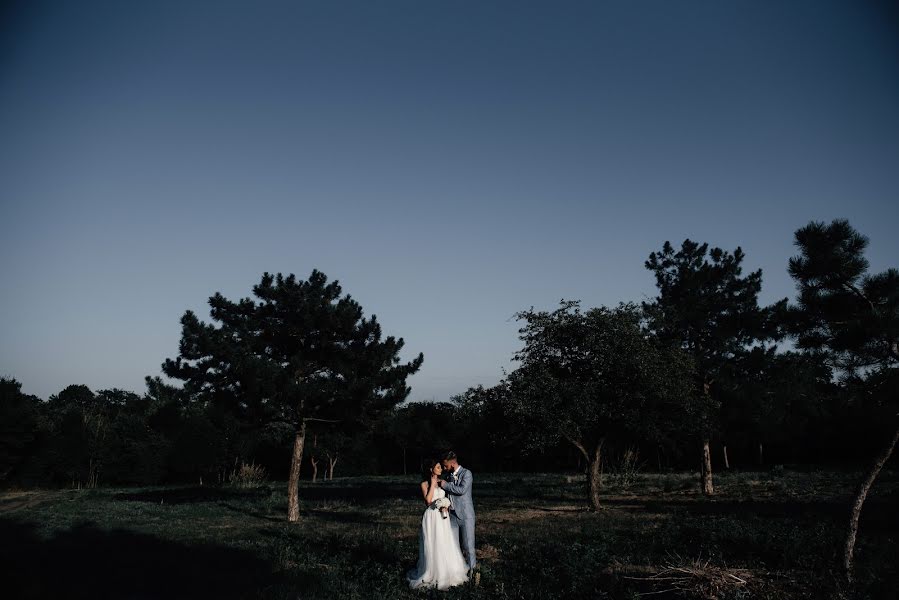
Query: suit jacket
{"x": 461, "y": 494}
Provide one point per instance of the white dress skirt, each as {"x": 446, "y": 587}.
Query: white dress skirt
{"x": 440, "y": 560}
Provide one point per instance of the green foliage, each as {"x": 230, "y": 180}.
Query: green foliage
{"x": 842, "y": 310}
{"x": 705, "y": 304}
{"x": 132, "y": 452}
{"x": 418, "y": 431}
{"x": 624, "y": 468}
{"x": 487, "y": 429}
{"x": 19, "y": 420}
{"x": 587, "y": 376}
{"x": 302, "y": 351}
{"x": 709, "y": 309}
{"x": 778, "y": 398}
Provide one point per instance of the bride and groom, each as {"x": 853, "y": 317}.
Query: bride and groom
{"x": 447, "y": 522}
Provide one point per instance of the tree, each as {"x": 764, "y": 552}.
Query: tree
{"x": 588, "y": 377}
{"x": 770, "y": 397}
{"x": 302, "y": 353}
{"x": 19, "y": 415}
{"x": 852, "y": 317}
{"x": 421, "y": 428}
{"x": 707, "y": 308}
{"x": 330, "y": 444}
{"x": 80, "y": 421}
{"x": 486, "y": 431}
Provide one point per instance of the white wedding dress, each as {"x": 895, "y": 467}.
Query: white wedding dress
{"x": 440, "y": 560}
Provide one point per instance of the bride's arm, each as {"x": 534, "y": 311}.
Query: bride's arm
{"x": 427, "y": 490}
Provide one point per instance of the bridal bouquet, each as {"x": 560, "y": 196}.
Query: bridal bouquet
{"x": 442, "y": 504}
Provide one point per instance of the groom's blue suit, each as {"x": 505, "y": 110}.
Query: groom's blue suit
{"x": 462, "y": 511}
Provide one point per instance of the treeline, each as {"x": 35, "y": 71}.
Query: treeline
{"x": 735, "y": 388}
{"x": 299, "y": 383}
{"x": 116, "y": 437}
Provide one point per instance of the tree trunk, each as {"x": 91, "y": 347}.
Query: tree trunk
{"x": 595, "y": 476}
{"x": 761, "y": 455}
{"x": 404, "y": 461}
{"x": 706, "y": 472}
{"x": 332, "y": 462}
{"x": 726, "y": 462}
{"x": 314, "y": 469}
{"x": 860, "y": 496}
{"x": 594, "y": 468}
{"x": 293, "y": 483}
{"x": 93, "y": 473}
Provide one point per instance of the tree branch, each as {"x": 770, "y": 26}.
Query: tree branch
{"x": 577, "y": 444}
{"x": 859, "y": 293}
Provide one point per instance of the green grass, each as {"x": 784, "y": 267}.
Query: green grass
{"x": 780, "y": 532}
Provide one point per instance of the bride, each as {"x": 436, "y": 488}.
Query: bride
{"x": 440, "y": 560}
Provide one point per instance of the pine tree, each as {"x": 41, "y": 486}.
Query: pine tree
{"x": 850, "y": 316}
{"x": 302, "y": 353}
{"x": 709, "y": 309}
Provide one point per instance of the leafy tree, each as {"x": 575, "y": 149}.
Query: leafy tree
{"x": 203, "y": 439}
{"x": 420, "y": 428}
{"x": 770, "y": 397}
{"x": 117, "y": 399}
{"x": 852, "y": 317}
{"x": 301, "y": 353}
{"x": 72, "y": 396}
{"x": 588, "y": 377}
{"x": 80, "y": 421}
{"x": 706, "y": 307}
{"x": 332, "y": 444}
{"x": 19, "y": 418}
{"x": 132, "y": 452}
{"x": 489, "y": 434}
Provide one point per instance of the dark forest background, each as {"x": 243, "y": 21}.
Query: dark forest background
{"x": 116, "y": 437}
{"x": 763, "y": 386}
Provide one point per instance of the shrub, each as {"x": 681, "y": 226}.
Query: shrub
{"x": 624, "y": 470}
{"x": 247, "y": 476}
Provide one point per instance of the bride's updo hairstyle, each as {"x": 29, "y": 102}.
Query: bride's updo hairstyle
{"x": 426, "y": 473}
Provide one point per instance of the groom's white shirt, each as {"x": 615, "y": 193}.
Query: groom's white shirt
{"x": 455, "y": 475}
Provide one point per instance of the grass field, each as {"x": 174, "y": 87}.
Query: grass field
{"x": 765, "y": 535}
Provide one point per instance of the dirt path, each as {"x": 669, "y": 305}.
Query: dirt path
{"x": 13, "y": 501}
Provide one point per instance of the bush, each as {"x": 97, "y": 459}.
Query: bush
{"x": 247, "y": 476}
{"x": 624, "y": 471}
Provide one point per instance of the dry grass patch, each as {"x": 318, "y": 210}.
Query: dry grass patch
{"x": 694, "y": 578}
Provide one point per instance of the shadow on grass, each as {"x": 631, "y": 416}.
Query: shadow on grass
{"x": 878, "y": 511}
{"x": 88, "y": 562}
{"x": 360, "y": 494}
{"x": 346, "y": 492}
{"x": 195, "y": 494}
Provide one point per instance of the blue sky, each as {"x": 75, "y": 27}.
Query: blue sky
{"x": 450, "y": 163}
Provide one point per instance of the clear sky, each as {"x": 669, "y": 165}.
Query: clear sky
{"x": 450, "y": 163}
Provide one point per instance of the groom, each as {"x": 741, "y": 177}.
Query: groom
{"x": 458, "y": 490}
